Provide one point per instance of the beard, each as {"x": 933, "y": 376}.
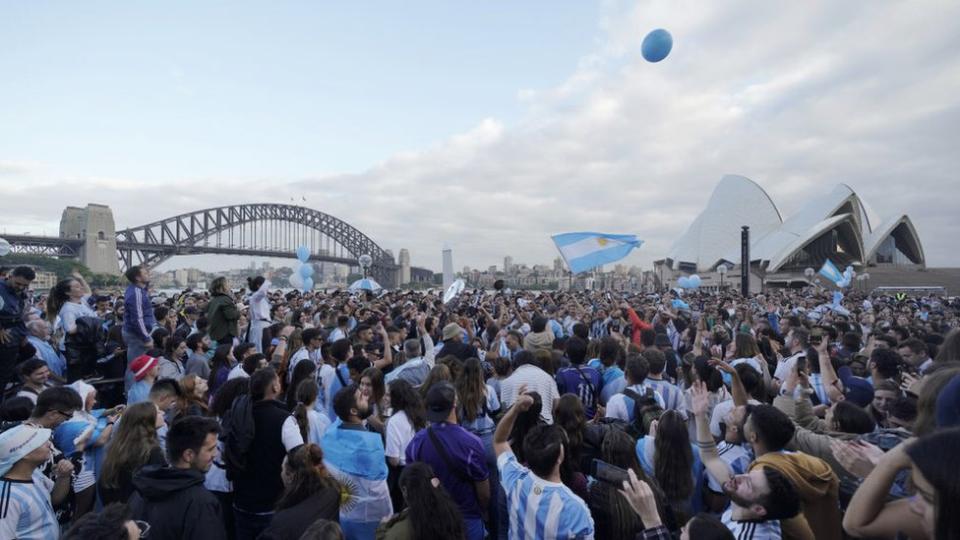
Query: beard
{"x": 365, "y": 413}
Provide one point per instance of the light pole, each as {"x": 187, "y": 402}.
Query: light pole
{"x": 722, "y": 270}
{"x": 365, "y": 262}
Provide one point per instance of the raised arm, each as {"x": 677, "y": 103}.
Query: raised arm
{"x": 831, "y": 382}
{"x": 700, "y": 405}
{"x": 740, "y": 395}
{"x": 869, "y": 515}
{"x": 501, "y": 437}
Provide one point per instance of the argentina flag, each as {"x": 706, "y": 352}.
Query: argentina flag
{"x": 829, "y": 271}
{"x": 355, "y": 458}
{"x": 587, "y": 250}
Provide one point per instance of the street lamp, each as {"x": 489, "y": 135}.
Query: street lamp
{"x": 722, "y": 270}
{"x": 365, "y": 262}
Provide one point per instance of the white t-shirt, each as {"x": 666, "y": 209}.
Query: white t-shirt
{"x": 237, "y": 372}
{"x": 720, "y": 411}
{"x": 316, "y": 428}
{"x": 301, "y": 354}
{"x": 69, "y": 313}
{"x": 399, "y": 434}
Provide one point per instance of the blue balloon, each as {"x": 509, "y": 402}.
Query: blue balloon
{"x": 683, "y": 282}
{"x": 306, "y": 270}
{"x": 656, "y": 46}
{"x": 307, "y": 284}
{"x": 303, "y": 253}
{"x": 694, "y": 281}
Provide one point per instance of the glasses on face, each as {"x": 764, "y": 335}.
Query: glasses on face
{"x": 65, "y": 414}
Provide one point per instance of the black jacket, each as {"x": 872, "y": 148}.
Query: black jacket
{"x": 176, "y": 505}
{"x": 258, "y": 486}
{"x": 292, "y": 522}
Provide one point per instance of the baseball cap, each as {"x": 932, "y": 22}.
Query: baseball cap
{"x": 439, "y": 401}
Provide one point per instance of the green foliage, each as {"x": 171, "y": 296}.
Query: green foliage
{"x": 61, "y": 267}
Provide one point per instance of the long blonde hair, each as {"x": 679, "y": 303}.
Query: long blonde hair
{"x": 130, "y": 448}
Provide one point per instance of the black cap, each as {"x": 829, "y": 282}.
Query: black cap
{"x": 439, "y": 402}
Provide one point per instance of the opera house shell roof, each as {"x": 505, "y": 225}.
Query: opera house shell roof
{"x": 838, "y": 225}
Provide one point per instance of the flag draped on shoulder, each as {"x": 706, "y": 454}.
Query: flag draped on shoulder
{"x": 356, "y": 459}
{"x": 587, "y": 250}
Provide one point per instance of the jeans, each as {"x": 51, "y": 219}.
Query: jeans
{"x": 135, "y": 347}
{"x": 473, "y": 527}
{"x": 9, "y": 357}
{"x": 249, "y": 526}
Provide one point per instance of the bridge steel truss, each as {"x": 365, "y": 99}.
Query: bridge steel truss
{"x": 48, "y": 246}
{"x": 279, "y": 228}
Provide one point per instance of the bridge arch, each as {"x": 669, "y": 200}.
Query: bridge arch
{"x": 264, "y": 229}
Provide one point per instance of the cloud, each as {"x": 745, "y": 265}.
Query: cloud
{"x": 796, "y": 96}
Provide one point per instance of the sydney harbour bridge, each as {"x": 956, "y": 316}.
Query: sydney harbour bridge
{"x": 261, "y": 230}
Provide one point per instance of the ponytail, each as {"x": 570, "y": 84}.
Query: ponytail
{"x": 307, "y": 392}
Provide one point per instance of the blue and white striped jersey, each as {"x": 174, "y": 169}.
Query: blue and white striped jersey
{"x": 25, "y": 509}
{"x": 737, "y": 460}
{"x": 540, "y": 509}
{"x": 672, "y": 394}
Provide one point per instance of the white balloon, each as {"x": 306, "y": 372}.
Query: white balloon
{"x": 5, "y": 247}
{"x": 296, "y": 280}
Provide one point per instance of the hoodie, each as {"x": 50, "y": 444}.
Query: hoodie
{"x": 175, "y": 504}
{"x": 819, "y": 489}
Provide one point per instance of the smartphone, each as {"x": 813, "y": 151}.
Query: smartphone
{"x": 802, "y": 364}
{"x": 606, "y": 472}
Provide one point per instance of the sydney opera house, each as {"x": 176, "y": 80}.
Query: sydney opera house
{"x": 838, "y": 225}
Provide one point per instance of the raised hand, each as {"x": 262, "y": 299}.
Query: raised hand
{"x": 640, "y": 496}
{"x": 700, "y": 398}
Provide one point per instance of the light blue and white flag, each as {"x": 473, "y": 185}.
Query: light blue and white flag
{"x": 355, "y": 458}
{"x": 587, "y": 250}
{"x": 830, "y": 272}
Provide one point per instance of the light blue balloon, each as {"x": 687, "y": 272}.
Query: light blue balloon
{"x": 306, "y": 270}
{"x": 303, "y": 253}
{"x": 694, "y": 281}
{"x": 307, "y": 284}
{"x": 683, "y": 282}
{"x": 656, "y": 46}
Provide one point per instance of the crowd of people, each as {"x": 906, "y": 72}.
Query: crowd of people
{"x": 250, "y": 412}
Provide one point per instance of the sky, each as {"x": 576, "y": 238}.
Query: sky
{"x": 488, "y": 126}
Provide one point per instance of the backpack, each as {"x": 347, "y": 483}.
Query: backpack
{"x": 237, "y": 436}
{"x": 646, "y": 409}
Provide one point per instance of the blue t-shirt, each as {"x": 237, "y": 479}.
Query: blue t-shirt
{"x": 583, "y": 381}
{"x": 139, "y": 392}
{"x": 539, "y": 508}
{"x": 465, "y": 450}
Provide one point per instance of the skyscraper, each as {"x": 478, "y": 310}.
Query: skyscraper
{"x": 404, "y": 261}
{"x": 447, "y": 266}
{"x": 507, "y": 265}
